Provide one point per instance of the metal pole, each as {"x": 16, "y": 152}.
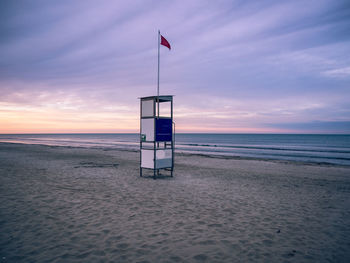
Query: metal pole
{"x": 158, "y": 72}
{"x": 140, "y": 137}
{"x": 156, "y": 145}
{"x": 172, "y": 139}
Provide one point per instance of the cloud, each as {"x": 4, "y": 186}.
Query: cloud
{"x": 338, "y": 73}
{"x": 259, "y": 60}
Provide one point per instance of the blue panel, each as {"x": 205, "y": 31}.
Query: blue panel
{"x": 163, "y": 130}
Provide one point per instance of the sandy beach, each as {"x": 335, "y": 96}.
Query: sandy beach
{"x": 65, "y": 204}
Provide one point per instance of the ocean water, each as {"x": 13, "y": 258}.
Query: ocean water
{"x": 315, "y": 148}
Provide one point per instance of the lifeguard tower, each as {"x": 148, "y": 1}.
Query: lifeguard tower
{"x": 157, "y": 134}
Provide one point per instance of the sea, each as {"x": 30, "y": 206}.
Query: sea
{"x": 312, "y": 148}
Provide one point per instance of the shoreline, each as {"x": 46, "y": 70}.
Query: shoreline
{"x": 205, "y": 155}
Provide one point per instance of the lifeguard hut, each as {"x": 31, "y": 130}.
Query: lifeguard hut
{"x": 157, "y": 134}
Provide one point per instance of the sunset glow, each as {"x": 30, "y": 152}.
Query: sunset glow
{"x": 255, "y": 67}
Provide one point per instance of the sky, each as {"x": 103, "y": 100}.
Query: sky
{"x": 234, "y": 67}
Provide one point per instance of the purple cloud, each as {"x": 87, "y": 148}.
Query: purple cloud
{"x": 247, "y": 64}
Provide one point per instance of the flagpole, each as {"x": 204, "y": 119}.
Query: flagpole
{"x": 158, "y": 71}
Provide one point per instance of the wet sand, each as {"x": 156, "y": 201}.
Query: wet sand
{"x": 63, "y": 204}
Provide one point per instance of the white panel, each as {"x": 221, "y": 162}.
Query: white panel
{"x": 147, "y": 129}
{"x": 147, "y": 108}
{"x": 164, "y": 158}
{"x": 163, "y": 154}
{"x": 165, "y": 109}
{"x": 147, "y": 158}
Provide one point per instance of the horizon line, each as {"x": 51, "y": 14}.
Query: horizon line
{"x": 238, "y": 133}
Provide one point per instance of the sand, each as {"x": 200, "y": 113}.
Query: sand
{"x": 64, "y": 204}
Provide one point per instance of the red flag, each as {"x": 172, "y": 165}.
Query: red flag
{"x": 164, "y": 42}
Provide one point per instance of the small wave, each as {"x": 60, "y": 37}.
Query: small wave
{"x": 265, "y": 148}
{"x": 335, "y": 150}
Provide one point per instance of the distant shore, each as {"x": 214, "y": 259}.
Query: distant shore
{"x": 61, "y": 203}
